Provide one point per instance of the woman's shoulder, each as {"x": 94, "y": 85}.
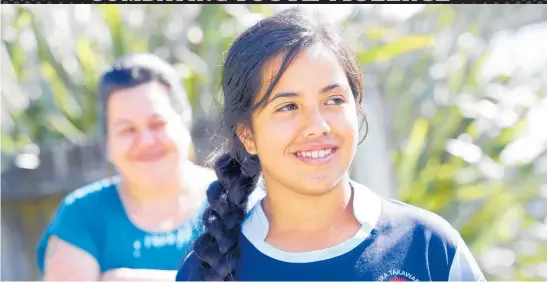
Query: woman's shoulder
{"x": 93, "y": 192}
{"x": 76, "y": 219}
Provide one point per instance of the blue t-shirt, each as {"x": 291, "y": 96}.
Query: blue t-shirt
{"x": 397, "y": 242}
{"x": 93, "y": 219}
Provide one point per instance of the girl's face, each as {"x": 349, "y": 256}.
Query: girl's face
{"x": 307, "y": 134}
{"x": 147, "y": 139}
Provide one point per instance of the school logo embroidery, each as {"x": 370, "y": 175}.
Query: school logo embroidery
{"x": 397, "y": 275}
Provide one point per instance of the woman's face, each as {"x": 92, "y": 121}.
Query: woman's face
{"x": 147, "y": 139}
{"x": 306, "y": 137}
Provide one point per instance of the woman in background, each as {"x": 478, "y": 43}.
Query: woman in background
{"x": 134, "y": 226}
{"x": 292, "y": 109}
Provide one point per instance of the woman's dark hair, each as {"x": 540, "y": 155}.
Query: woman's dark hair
{"x": 134, "y": 70}
{"x": 286, "y": 34}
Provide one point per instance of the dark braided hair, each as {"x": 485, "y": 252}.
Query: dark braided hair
{"x": 286, "y": 33}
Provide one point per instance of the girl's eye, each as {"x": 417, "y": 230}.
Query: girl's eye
{"x": 288, "y": 107}
{"x": 335, "y": 101}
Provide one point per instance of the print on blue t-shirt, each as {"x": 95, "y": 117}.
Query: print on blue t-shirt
{"x": 93, "y": 219}
{"x": 397, "y": 242}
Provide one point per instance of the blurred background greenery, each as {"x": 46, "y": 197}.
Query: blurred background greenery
{"x": 455, "y": 97}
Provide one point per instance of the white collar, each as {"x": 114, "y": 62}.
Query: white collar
{"x": 367, "y": 207}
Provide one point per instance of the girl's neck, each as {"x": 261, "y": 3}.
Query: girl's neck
{"x": 288, "y": 210}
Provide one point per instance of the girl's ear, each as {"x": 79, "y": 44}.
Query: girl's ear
{"x": 246, "y": 137}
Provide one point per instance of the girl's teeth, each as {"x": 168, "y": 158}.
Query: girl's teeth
{"x": 315, "y": 154}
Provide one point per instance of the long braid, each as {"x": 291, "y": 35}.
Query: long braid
{"x": 284, "y": 36}
{"x": 217, "y": 247}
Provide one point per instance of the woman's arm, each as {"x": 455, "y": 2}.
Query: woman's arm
{"x": 65, "y": 261}
{"x": 128, "y": 274}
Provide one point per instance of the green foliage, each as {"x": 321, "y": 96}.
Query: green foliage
{"x": 422, "y": 84}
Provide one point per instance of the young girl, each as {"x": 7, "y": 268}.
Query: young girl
{"x": 292, "y": 95}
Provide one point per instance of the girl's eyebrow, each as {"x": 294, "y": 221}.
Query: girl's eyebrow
{"x": 283, "y": 95}
{"x": 330, "y": 87}
{"x": 294, "y": 94}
